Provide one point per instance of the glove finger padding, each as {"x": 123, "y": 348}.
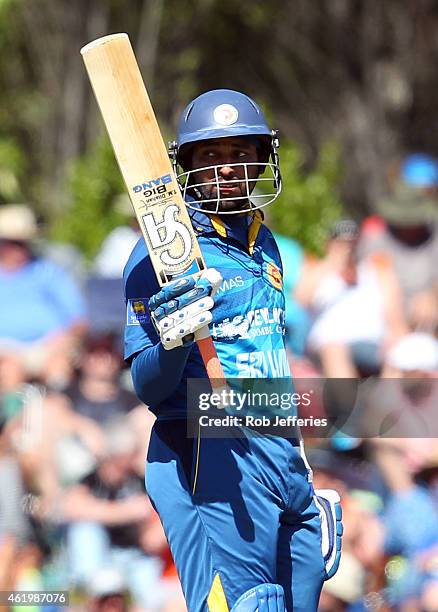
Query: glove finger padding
{"x": 329, "y": 506}
{"x": 185, "y": 322}
{"x": 183, "y": 306}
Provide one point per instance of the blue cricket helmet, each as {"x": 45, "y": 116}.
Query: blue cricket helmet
{"x": 221, "y": 113}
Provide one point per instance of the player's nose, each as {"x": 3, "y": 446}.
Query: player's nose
{"x": 227, "y": 171}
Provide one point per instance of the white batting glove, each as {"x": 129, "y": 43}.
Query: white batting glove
{"x": 183, "y": 307}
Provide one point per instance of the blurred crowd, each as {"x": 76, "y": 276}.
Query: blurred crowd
{"x": 74, "y": 514}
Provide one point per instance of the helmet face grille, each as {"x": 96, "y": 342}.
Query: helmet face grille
{"x": 207, "y": 196}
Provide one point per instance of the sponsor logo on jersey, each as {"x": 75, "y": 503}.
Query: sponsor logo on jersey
{"x": 225, "y": 114}
{"x": 231, "y": 283}
{"x": 263, "y": 364}
{"x": 137, "y": 311}
{"x": 274, "y": 275}
{"x": 258, "y": 322}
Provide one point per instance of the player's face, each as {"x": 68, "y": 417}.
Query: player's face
{"x": 229, "y": 156}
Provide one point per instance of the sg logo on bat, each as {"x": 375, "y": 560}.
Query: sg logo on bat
{"x": 163, "y": 236}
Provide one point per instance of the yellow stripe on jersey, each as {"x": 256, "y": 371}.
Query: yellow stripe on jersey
{"x": 219, "y": 226}
{"x": 198, "y": 450}
{"x": 216, "y": 600}
{"x": 253, "y": 231}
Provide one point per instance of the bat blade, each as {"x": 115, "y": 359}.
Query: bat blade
{"x": 142, "y": 156}
{"x": 146, "y": 169}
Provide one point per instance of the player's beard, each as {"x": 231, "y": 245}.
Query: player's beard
{"x": 236, "y": 200}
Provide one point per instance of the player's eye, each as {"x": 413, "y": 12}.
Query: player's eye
{"x": 208, "y": 154}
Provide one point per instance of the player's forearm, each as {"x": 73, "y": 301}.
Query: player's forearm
{"x": 156, "y": 373}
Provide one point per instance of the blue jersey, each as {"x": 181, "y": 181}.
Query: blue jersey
{"x": 248, "y": 324}
{"x": 242, "y": 504}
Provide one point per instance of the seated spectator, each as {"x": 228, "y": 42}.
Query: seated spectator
{"x": 356, "y": 306}
{"x": 363, "y": 530}
{"x": 403, "y": 410}
{"x": 106, "y": 514}
{"x": 411, "y": 528}
{"x": 344, "y": 592}
{"x": 96, "y": 393}
{"x": 405, "y": 232}
{"x": 402, "y": 404}
{"x": 108, "y": 591}
{"x": 41, "y": 310}
{"x": 38, "y": 435}
{"x": 15, "y": 529}
{"x": 98, "y": 396}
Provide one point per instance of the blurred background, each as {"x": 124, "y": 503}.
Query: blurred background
{"x": 351, "y": 85}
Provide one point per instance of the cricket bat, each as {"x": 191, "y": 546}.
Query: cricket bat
{"x": 147, "y": 171}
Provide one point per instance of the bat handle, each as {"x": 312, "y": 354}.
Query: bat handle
{"x": 209, "y": 356}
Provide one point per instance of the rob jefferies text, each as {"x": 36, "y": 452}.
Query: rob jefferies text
{"x": 341, "y": 407}
{"x": 267, "y": 406}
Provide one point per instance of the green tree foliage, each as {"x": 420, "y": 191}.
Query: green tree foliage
{"x": 11, "y": 170}
{"x": 360, "y": 72}
{"x": 309, "y": 202}
{"x": 93, "y": 185}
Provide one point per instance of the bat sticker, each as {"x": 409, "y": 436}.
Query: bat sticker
{"x": 163, "y": 238}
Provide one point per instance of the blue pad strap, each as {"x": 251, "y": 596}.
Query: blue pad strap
{"x": 262, "y": 598}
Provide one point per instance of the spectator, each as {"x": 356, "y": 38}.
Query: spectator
{"x": 411, "y": 527}
{"x": 363, "y": 530}
{"x": 108, "y": 591}
{"x": 406, "y": 234}
{"x": 37, "y": 436}
{"x": 356, "y": 306}
{"x": 402, "y": 405}
{"x": 15, "y": 529}
{"x": 41, "y": 310}
{"x": 96, "y": 393}
{"x": 403, "y": 410}
{"x": 107, "y": 512}
{"x": 344, "y": 592}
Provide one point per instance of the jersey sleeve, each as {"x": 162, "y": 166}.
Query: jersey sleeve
{"x": 155, "y": 372}
{"x": 139, "y": 285}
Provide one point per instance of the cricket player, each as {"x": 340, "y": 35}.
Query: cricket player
{"x": 245, "y": 528}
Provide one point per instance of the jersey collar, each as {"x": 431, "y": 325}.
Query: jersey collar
{"x": 227, "y": 227}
